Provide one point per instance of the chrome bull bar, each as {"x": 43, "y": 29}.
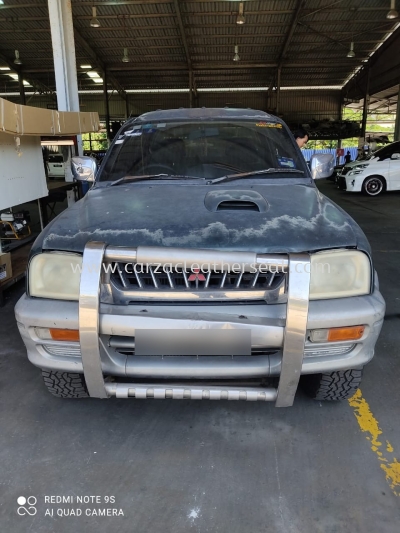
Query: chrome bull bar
{"x": 298, "y": 268}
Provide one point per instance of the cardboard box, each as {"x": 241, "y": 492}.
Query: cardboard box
{"x": 5, "y": 267}
{"x": 22, "y": 176}
{"x": 17, "y": 119}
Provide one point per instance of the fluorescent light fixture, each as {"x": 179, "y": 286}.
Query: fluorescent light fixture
{"x": 93, "y": 74}
{"x": 351, "y": 53}
{"x": 94, "y": 23}
{"x": 392, "y": 14}
{"x": 236, "y": 57}
{"x": 240, "y": 18}
{"x": 98, "y": 80}
{"x": 13, "y": 76}
{"x": 200, "y": 90}
{"x": 5, "y": 68}
{"x": 17, "y": 60}
{"x": 26, "y": 83}
{"x": 125, "y": 57}
{"x": 66, "y": 142}
{"x": 86, "y": 66}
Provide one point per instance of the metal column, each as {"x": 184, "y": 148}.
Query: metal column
{"x": 62, "y": 37}
{"x": 190, "y": 88}
{"x": 106, "y": 106}
{"x": 365, "y": 106}
{"x": 21, "y": 89}
{"x": 278, "y": 90}
{"x": 397, "y": 123}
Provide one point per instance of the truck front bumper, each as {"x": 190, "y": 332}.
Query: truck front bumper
{"x": 116, "y": 334}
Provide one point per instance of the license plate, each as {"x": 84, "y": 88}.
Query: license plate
{"x": 193, "y": 342}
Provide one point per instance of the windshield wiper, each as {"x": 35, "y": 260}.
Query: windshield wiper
{"x": 231, "y": 177}
{"x": 126, "y": 179}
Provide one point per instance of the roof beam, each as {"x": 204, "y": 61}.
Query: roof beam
{"x": 186, "y": 46}
{"x": 290, "y": 32}
{"x": 95, "y": 58}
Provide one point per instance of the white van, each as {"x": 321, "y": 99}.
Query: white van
{"x": 379, "y": 172}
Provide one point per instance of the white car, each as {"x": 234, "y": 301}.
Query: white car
{"x": 55, "y": 165}
{"x": 379, "y": 172}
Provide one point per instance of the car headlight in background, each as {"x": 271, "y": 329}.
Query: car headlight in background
{"x": 358, "y": 169}
{"x": 55, "y": 275}
{"x": 338, "y": 274}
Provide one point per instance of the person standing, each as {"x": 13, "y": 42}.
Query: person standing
{"x": 347, "y": 158}
{"x": 301, "y": 136}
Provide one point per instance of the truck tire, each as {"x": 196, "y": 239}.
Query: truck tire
{"x": 334, "y": 386}
{"x": 65, "y": 384}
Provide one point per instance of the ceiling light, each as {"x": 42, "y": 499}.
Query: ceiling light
{"x": 13, "y": 76}
{"x": 240, "y": 18}
{"x": 86, "y": 66}
{"x": 17, "y": 60}
{"x": 351, "y": 53}
{"x": 125, "y": 57}
{"x": 26, "y": 83}
{"x": 93, "y": 74}
{"x": 5, "y": 68}
{"x": 392, "y": 14}
{"x": 94, "y": 23}
{"x": 236, "y": 57}
{"x": 98, "y": 80}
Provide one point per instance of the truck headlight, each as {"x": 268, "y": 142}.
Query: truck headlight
{"x": 55, "y": 275}
{"x": 338, "y": 274}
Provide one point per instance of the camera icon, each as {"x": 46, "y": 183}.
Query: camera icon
{"x": 27, "y": 506}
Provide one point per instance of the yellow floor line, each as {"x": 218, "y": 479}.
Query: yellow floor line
{"x": 369, "y": 425}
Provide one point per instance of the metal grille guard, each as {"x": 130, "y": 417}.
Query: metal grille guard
{"x": 298, "y": 268}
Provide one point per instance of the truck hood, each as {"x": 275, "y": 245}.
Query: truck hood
{"x": 296, "y": 217}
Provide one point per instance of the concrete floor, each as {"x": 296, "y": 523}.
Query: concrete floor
{"x": 210, "y": 466}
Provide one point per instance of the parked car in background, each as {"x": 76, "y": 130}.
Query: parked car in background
{"x": 55, "y": 166}
{"x": 377, "y": 173}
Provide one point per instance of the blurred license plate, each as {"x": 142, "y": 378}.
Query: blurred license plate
{"x": 193, "y": 342}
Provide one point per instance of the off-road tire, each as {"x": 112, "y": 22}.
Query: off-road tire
{"x": 334, "y": 386}
{"x": 65, "y": 384}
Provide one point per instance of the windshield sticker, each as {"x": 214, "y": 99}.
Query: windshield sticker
{"x": 148, "y": 126}
{"x": 269, "y": 125}
{"x": 133, "y": 134}
{"x": 120, "y": 141}
{"x": 137, "y": 128}
{"x": 286, "y": 162}
{"x": 162, "y": 125}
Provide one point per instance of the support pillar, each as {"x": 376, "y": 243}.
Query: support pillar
{"x": 62, "y": 37}
{"x": 190, "y": 88}
{"x": 127, "y": 108}
{"x": 278, "y": 91}
{"x": 397, "y": 123}
{"x": 21, "y": 89}
{"x": 106, "y": 106}
{"x": 365, "y": 106}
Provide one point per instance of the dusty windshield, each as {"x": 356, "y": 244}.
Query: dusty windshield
{"x": 200, "y": 149}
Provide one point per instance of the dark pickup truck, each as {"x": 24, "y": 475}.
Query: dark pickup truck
{"x": 203, "y": 264}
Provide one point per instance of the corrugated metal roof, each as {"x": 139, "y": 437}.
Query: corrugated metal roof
{"x": 316, "y": 54}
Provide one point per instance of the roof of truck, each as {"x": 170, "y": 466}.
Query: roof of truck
{"x": 199, "y": 113}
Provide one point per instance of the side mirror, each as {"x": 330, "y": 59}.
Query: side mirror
{"x": 395, "y": 156}
{"x": 322, "y": 166}
{"x": 84, "y": 168}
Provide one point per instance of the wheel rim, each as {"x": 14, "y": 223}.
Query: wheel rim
{"x": 374, "y": 186}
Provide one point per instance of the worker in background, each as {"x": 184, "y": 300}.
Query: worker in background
{"x": 347, "y": 158}
{"x": 301, "y": 136}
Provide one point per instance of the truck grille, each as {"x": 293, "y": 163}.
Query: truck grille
{"x": 196, "y": 280}
{"x": 130, "y": 286}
